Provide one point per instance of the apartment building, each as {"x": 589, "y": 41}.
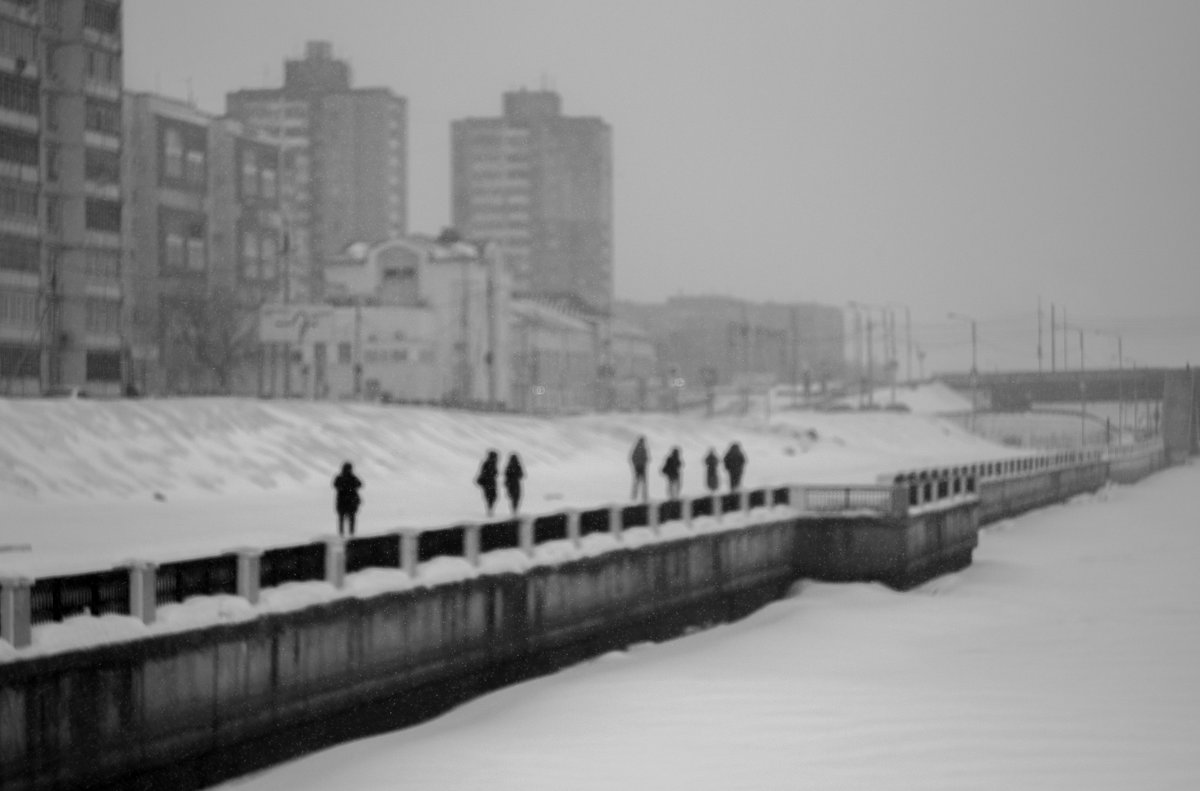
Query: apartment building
{"x": 344, "y": 165}
{"x": 62, "y": 288}
{"x": 538, "y": 185}
{"x": 205, "y": 245}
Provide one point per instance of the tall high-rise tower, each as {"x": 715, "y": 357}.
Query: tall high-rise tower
{"x": 538, "y": 185}
{"x": 344, "y": 174}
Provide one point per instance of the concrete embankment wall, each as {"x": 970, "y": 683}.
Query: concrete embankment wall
{"x": 187, "y": 710}
{"x": 184, "y": 710}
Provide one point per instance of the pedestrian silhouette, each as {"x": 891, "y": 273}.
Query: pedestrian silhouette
{"x": 735, "y": 465}
{"x": 348, "y": 499}
{"x": 672, "y": 468}
{"x": 513, "y": 473}
{"x": 487, "y": 479}
{"x": 712, "y": 471}
{"x": 639, "y": 459}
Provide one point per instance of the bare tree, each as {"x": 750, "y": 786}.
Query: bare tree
{"x": 214, "y": 330}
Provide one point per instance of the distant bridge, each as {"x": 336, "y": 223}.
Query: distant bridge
{"x": 1175, "y": 388}
{"x": 1020, "y": 389}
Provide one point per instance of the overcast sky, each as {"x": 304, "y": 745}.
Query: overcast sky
{"x": 949, "y": 156}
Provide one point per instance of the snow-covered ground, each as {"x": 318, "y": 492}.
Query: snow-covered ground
{"x": 89, "y": 484}
{"x": 1064, "y": 658}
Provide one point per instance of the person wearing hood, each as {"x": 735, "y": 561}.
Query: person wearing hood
{"x": 712, "y": 470}
{"x": 639, "y": 458}
{"x": 735, "y": 465}
{"x": 487, "y": 479}
{"x": 347, "y": 484}
{"x": 513, "y": 473}
{"x": 673, "y": 468}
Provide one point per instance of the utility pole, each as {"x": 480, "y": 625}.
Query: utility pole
{"x": 869, "y": 389}
{"x": 1053, "y": 340}
{"x": 1082, "y": 396}
{"x": 1066, "y": 340}
{"x": 1039, "y": 345}
{"x": 908, "y": 342}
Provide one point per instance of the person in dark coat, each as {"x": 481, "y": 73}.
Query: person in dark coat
{"x": 513, "y": 473}
{"x": 735, "y": 465}
{"x": 712, "y": 470}
{"x": 487, "y": 479}
{"x": 672, "y": 468}
{"x": 348, "y": 500}
{"x": 639, "y": 459}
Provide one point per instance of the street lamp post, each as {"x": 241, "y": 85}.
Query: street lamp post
{"x": 974, "y": 361}
{"x": 1120, "y": 384}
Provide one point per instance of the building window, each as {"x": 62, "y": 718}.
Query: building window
{"x": 268, "y": 183}
{"x": 18, "y": 94}
{"x": 102, "y": 16}
{"x": 18, "y": 147}
{"x": 103, "y": 167}
{"x": 18, "y": 41}
{"x": 53, "y": 213}
{"x": 183, "y": 154}
{"x": 182, "y": 240}
{"x": 18, "y": 200}
{"x": 53, "y": 11}
{"x": 20, "y": 360}
{"x": 51, "y": 112}
{"x": 102, "y": 316}
{"x": 103, "y": 366}
{"x": 249, "y": 173}
{"x": 20, "y": 254}
{"x": 52, "y": 154}
{"x": 194, "y": 173}
{"x": 18, "y": 308}
{"x": 344, "y": 354}
{"x": 103, "y": 215}
{"x": 102, "y": 116}
{"x": 173, "y": 154}
{"x": 196, "y": 257}
{"x": 104, "y": 264}
{"x": 103, "y": 66}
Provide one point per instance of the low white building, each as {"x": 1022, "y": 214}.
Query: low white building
{"x": 407, "y": 319}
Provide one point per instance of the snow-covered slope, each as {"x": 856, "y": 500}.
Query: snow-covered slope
{"x": 89, "y": 482}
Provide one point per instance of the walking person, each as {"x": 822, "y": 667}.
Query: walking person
{"x": 735, "y": 465}
{"x": 513, "y": 473}
{"x": 672, "y": 468}
{"x": 712, "y": 471}
{"x": 347, "y": 484}
{"x": 639, "y": 459}
{"x": 487, "y": 479}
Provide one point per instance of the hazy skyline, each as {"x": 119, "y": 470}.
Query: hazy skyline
{"x": 943, "y": 155}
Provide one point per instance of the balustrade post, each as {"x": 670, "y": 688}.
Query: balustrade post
{"x": 471, "y": 543}
{"x": 409, "y": 547}
{"x": 525, "y": 534}
{"x": 744, "y": 501}
{"x": 143, "y": 599}
{"x": 615, "y": 525}
{"x": 685, "y": 510}
{"x": 335, "y": 561}
{"x": 716, "y": 507}
{"x": 573, "y": 528}
{"x": 249, "y": 573}
{"x": 15, "y": 617}
{"x": 796, "y": 497}
{"x": 652, "y": 516}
